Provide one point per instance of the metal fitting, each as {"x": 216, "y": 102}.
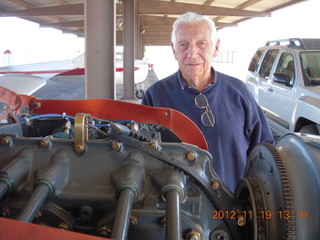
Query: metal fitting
{"x": 104, "y": 231}
{"x": 86, "y": 213}
{"x": 134, "y": 127}
{"x": 193, "y": 235}
{"x": 45, "y": 143}
{"x": 5, "y": 141}
{"x": 155, "y": 146}
{"x": 116, "y": 146}
{"x": 163, "y": 222}
{"x": 5, "y": 212}
{"x": 191, "y": 156}
{"x": 241, "y": 220}
{"x": 79, "y": 147}
{"x": 133, "y": 220}
{"x": 39, "y": 214}
{"x": 63, "y": 225}
{"x": 215, "y": 184}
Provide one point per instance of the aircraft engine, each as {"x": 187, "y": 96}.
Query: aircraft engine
{"x": 93, "y": 178}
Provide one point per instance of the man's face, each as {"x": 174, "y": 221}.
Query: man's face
{"x": 194, "y": 51}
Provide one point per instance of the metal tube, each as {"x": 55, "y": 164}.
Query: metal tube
{"x": 13, "y": 173}
{"x": 34, "y": 203}
{"x": 122, "y": 219}
{"x": 3, "y": 188}
{"x": 173, "y": 227}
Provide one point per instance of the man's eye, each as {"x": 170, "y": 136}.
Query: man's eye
{"x": 202, "y": 44}
{"x": 183, "y": 45}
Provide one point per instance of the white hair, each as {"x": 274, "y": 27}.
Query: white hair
{"x": 192, "y": 17}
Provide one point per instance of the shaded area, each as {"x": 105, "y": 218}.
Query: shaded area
{"x": 73, "y": 87}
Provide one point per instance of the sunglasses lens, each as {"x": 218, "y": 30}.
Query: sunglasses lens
{"x": 208, "y": 119}
{"x": 201, "y": 101}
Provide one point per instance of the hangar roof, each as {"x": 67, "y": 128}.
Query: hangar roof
{"x": 155, "y": 16}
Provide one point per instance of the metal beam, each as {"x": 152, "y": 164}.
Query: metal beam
{"x": 72, "y": 9}
{"x": 170, "y": 8}
{"x": 79, "y": 23}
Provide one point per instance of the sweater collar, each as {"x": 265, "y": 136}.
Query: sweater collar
{"x": 184, "y": 84}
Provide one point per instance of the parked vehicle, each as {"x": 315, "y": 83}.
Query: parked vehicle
{"x": 284, "y": 78}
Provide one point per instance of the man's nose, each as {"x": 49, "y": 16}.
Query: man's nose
{"x": 193, "y": 51}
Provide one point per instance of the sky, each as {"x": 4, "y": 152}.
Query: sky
{"x": 29, "y": 43}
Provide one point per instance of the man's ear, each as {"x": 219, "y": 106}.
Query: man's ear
{"x": 216, "y": 50}
{"x": 173, "y": 50}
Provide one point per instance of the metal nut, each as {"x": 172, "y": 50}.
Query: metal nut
{"x": 116, "y": 146}
{"x": 241, "y": 220}
{"x": 193, "y": 235}
{"x": 63, "y": 226}
{"x": 44, "y": 143}
{"x": 79, "y": 147}
{"x": 5, "y": 141}
{"x": 215, "y": 184}
{"x": 191, "y": 156}
{"x": 154, "y": 146}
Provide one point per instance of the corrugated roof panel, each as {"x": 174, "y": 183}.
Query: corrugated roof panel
{"x": 263, "y": 5}
{"x": 227, "y": 3}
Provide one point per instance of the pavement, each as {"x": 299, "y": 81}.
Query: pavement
{"x": 73, "y": 87}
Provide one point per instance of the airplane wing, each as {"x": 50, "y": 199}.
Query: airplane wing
{"x": 22, "y": 84}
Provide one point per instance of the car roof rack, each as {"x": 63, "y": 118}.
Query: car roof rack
{"x": 295, "y": 42}
{"x": 302, "y": 43}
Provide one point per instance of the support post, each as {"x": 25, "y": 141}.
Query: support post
{"x": 100, "y": 35}
{"x": 128, "y": 49}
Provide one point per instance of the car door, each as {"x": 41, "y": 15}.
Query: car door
{"x": 264, "y": 78}
{"x": 282, "y": 100}
{"x": 252, "y": 79}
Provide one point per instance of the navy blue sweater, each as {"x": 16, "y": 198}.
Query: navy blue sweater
{"x": 239, "y": 122}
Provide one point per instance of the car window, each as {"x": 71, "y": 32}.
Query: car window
{"x": 286, "y": 66}
{"x": 311, "y": 67}
{"x": 267, "y": 63}
{"x": 255, "y": 60}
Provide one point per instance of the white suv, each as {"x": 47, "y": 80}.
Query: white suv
{"x": 284, "y": 78}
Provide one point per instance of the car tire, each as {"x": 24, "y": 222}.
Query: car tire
{"x": 139, "y": 94}
{"x": 310, "y": 129}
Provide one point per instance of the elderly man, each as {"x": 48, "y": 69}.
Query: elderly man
{"x": 220, "y": 105}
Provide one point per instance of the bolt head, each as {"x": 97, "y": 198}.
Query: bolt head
{"x": 193, "y": 235}
{"x": 79, "y": 147}
{"x": 215, "y": 185}
{"x": 116, "y": 146}
{"x": 5, "y": 141}
{"x": 191, "y": 156}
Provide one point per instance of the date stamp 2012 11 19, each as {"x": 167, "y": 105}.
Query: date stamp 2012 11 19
{"x": 265, "y": 214}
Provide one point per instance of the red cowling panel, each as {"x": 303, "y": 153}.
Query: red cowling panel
{"x": 174, "y": 120}
{"x": 13, "y": 102}
{"x": 16, "y": 230}
{"x": 177, "y": 122}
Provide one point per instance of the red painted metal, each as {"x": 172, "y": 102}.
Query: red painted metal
{"x": 60, "y": 72}
{"x": 13, "y": 103}
{"x": 174, "y": 120}
{"x": 73, "y": 72}
{"x": 16, "y": 230}
{"x": 177, "y": 122}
